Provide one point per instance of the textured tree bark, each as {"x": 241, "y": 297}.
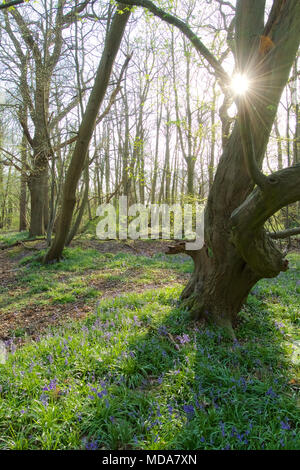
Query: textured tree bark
{"x": 237, "y": 251}
{"x": 1, "y": 196}
{"x": 84, "y": 202}
{"x": 37, "y": 183}
{"x": 23, "y": 186}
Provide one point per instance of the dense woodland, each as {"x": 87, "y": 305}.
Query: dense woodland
{"x": 165, "y": 102}
{"x": 162, "y": 124}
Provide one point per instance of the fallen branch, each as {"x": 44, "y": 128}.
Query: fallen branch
{"x": 21, "y": 242}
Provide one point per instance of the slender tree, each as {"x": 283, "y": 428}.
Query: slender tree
{"x": 85, "y": 132}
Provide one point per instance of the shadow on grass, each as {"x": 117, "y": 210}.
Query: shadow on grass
{"x": 181, "y": 386}
{"x": 139, "y": 374}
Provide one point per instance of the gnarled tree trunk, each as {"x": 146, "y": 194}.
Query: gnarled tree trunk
{"x": 237, "y": 251}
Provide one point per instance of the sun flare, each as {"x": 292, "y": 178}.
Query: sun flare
{"x": 240, "y": 84}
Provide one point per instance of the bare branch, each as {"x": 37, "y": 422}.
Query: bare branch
{"x": 27, "y": 36}
{"x": 285, "y": 233}
{"x": 11, "y": 157}
{"x": 115, "y": 92}
{"x": 73, "y": 14}
{"x": 185, "y": 29}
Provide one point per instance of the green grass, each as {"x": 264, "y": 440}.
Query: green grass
{"x": 81, "y": 274}
{"x": 9, "y": 238}
{"x": 139, "y": 374}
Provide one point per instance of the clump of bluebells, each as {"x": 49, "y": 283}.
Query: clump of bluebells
{"x": 139, "y": 374}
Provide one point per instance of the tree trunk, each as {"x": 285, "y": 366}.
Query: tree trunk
{"x": 190, "y": 161}
{"x": 22, "y": 205}
{"x": 37, "y": 184}
{"x": 86, "y": 130}
{"x": 84, "y": 202}
{"x": 1, "y": 195}
{"x": 237, "y": 251}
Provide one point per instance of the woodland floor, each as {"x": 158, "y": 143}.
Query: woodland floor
{"x": 32, "y": 297}
{"x": 100, "y": 354}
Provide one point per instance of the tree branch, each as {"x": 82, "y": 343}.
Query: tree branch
{"x": 11, "y": 157}
{"x": 27, "y": 36}
{"x": 248, "y": 147}
{"x": 26, "y": 132}
{"x": 73, "y": 14}
{"x": 185, "y": 29}
{"x": 115, "y": 91}
{"x": 11, "y": 4}
{"x": 247, "y": 221}
{"x": 285, "y": 233}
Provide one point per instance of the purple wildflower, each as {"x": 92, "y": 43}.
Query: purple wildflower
{"x": 93, "y": 445}
{"x": 189, "y": 410}
{"x": 162, "y": 330}
{"x": 222, "y": 426}
{"x": 50, "y": 358}
{"x": 102, "y": 393}
{"x": 270, "y": 392}
{"x": 183, "y": 339}
{"x": 44, "y": 399}
{"x": 285, "y": 425}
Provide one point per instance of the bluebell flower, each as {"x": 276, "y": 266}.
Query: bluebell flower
{"x": 44, "y": 399}
{"x": 50, "y": 358}
{"x": 93, "y": 445}
{"x": 285, "y": 425}
{"x": 162, "y": 330}
{"x": 189, "y": 410}
{"x": 102, "y": 393}
{"x": 183, "y": 339}
{"x": 270, "y": 392}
